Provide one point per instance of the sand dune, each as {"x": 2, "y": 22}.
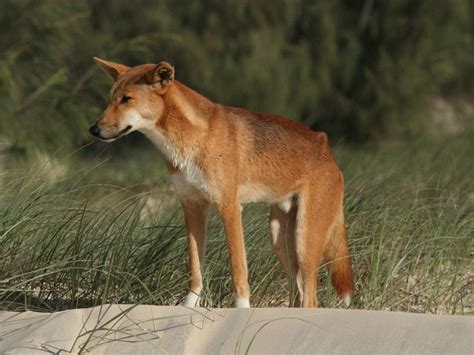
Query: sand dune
{"x": 157, "y": 329}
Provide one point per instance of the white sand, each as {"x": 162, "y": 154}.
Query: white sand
{"x": 155, "y": 329}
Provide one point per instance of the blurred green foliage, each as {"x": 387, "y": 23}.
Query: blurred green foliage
{"x": 359, "y": 69}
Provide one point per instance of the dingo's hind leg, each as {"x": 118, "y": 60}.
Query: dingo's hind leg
{"x": 282, "y": 234}
{"x": 316, "y": 217}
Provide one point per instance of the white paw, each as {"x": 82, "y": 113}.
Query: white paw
{"x": 242, "y": 302}
{"x": 191, "y": 299}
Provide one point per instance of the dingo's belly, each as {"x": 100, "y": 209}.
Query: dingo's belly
{"x": 252, "y": 192}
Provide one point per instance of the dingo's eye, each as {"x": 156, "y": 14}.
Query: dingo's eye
{"x": 125, "y": 99}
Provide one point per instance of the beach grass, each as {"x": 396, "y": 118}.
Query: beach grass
{"x": 92, "y": 236}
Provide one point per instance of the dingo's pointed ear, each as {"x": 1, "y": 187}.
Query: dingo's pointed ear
{"x": 110, "y": 68}
{"x": 161, "y": 76}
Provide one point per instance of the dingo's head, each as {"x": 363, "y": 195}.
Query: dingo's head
{"x": 135, "y": 100}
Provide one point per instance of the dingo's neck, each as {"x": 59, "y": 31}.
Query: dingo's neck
{"x": 178, "y": 134}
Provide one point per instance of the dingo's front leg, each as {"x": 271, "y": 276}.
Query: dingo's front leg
{"x": 232, "y": 218}
{"x": 195, "y": 214}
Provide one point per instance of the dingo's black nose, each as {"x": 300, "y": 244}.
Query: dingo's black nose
{"x": 95, "y": 130}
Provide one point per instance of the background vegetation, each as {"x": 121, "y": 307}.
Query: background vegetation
{"x": 84, "y": 223}
{"x": 359, "y": 69}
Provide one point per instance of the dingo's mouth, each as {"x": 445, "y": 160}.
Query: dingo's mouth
{"x": 120, "y": 134}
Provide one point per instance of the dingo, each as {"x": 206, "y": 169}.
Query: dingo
{"x": 226, "y": 156}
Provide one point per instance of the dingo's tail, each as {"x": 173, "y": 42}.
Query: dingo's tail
{"x": 339, "y": 263}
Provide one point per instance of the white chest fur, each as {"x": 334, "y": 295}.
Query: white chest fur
{"x": 191, "y": 173}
